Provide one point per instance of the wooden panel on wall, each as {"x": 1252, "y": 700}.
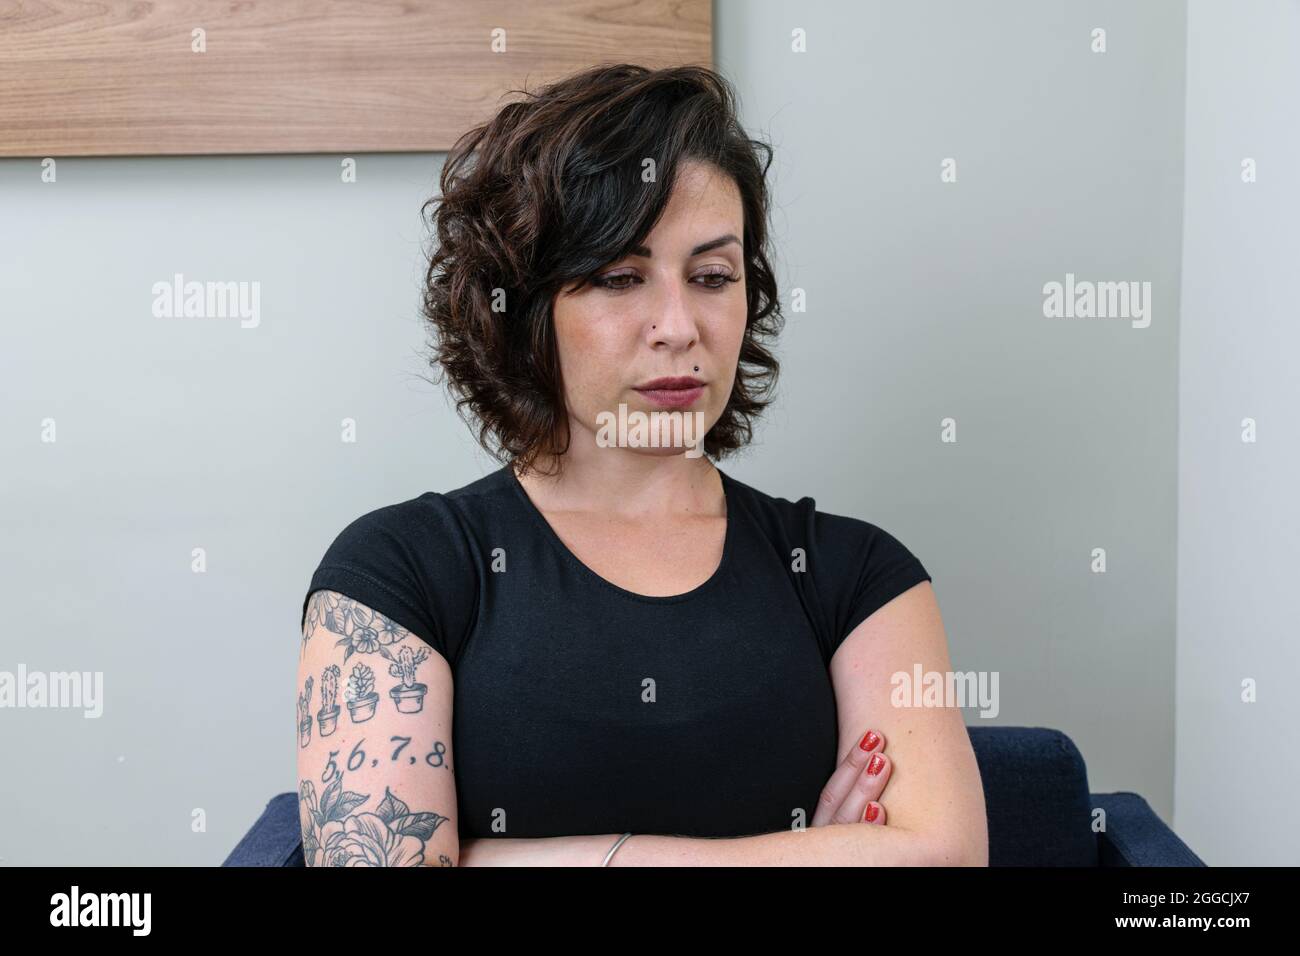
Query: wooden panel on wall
{"x": 291, "y": 76}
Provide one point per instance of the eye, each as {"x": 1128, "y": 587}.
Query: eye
{"x": 717, "y": 278}
{"x": 615, "y": 282}
{"x": 622, "y": 281}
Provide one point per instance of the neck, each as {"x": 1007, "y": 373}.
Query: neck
{"x": 628, "y": 482}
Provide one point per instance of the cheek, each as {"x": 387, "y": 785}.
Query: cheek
{"x": 589, "y": 343}
{"x": 731, "y": 336}
{"x": 593, "y": 351}
{"x": 573, "y": 334}
{"x": 733, "y": 332}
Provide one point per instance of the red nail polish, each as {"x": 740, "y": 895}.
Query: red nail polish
{"x": 870, "y": 740}
{"x": 873, "y": 811}
{"x": 877, "y": 764}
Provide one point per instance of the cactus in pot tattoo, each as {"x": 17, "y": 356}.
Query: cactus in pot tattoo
{"x": 408, "y": 695}
{"x": 304, "y": 714}
{"x": 361, "y": 695}
{"x": 329, "y": 697}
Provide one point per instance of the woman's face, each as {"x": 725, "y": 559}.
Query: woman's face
{"x": 661, "y": 313}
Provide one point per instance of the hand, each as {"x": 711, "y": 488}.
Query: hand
{"x": 584, "y": 850}
{"x": 851, "y": 789}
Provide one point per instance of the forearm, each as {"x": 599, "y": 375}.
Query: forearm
{"x": 851, "y": 844}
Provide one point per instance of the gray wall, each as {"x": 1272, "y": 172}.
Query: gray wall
{"x": 183, "y": 433}
{"x": 1238, "y": 516}
{"x": 924, "y": 303}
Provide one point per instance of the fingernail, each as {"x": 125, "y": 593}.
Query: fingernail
{"x": 869, "y": 741}
{"x": 873, "y": 811}
{"x": 876, "y": 765}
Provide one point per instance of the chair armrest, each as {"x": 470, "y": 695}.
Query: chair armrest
{"x": 275, "y": 839}
{"x": 1135, "y": 836}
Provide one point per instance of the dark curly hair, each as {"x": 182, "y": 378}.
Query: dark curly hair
{"x": 545, "y": 194}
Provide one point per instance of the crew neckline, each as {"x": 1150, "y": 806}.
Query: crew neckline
{"x": 575, "y": 562}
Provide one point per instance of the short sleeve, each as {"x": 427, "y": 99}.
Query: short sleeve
{"x": 858, "y": 568}
{"x": 409, "y": 562}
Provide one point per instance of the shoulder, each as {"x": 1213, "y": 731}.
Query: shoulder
{"x": 864, "y": 567}
{"x": 854, "y": 566}
{"x": 403, "y": 530}
{"x": 443, "y": 520}
{"x": 838, "y": 534}
{"x": 776, "y": 516}
{"x": 413, "y": 561}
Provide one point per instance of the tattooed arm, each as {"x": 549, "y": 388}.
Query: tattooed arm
{"x": 375, "y": 784}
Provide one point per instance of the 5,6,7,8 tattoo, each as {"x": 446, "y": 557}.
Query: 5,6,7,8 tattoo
{"x": 435, "y": 758}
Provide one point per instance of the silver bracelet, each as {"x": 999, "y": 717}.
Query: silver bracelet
{"x": 610, "y": 855}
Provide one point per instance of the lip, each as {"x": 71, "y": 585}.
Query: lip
{"x": 677, "y": 392}
{"x": 679, "y": 381}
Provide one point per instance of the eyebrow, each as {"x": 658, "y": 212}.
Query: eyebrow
{"x": 644, "y": 251}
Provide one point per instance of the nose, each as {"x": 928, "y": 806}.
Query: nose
{"x": 672, "y": 324}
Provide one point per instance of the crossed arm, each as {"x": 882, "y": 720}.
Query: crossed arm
{"x": 364, "y": 759}
{"x": 935, "y": 806}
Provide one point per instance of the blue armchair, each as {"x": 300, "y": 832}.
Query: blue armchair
{"x": 1035, "y": 789}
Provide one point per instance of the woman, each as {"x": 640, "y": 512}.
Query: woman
{"x": 630, "y": 640}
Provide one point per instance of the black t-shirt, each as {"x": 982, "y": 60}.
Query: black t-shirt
{"x": 581, "y": 707}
